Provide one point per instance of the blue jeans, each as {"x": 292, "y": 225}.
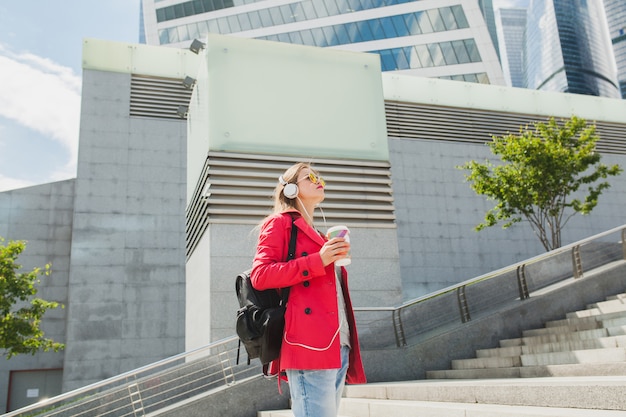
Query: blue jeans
{"x": 317, "y": 393}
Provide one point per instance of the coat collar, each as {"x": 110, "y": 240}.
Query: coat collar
{"x": 304, "y": 227}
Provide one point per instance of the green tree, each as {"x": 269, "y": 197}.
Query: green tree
{"x": 21, "y": 312}
{"x": 541, "y": 168}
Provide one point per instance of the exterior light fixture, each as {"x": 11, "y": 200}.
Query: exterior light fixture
{"x": 182, "y": 111}
{"x": 189, "y": 83}
{"x": 196, "y": 46}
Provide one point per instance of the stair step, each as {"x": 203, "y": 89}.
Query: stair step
{"x": 578, "y": 369}
{"x": 603, "y": 317}
{"x": 577, "y": 356}
{"x": 398, "y": 408}
{"x": 609, "y": 354}
{"x": 579, "y": 344}
{"x": 603, "y": 393}
{"x": 557, "y": 337}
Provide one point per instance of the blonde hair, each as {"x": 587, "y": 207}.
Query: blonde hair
{"x": 282, "y": 203}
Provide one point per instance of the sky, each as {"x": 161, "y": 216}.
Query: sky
{"x": 41, "y": 78}
{"x": 40, "y": 81}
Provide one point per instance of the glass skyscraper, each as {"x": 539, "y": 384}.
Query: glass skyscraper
{"x": 511, "y": 33}
{"x": 616, "y": 17}
{"x": 444, "y": 39}
{"x": 568, "y": 48}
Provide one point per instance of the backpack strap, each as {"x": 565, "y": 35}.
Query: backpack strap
{"x": 290, "y": 255}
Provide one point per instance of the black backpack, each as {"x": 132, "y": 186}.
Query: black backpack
{"x": 261, "y": 316}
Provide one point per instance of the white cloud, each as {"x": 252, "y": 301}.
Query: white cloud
{"x": 7, "y": 183}
{"x": 42, "y": 96}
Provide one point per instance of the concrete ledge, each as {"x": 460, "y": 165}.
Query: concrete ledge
{"x": 589, "y": 393}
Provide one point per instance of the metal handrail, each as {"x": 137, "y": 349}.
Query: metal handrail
{"x": 126, "y": 380}
{"x": 396, "y": 311}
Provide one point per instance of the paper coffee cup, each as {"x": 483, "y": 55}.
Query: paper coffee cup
{"x": 340, "y": 231}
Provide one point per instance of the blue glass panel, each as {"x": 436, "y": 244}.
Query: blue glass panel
{"x": 297, "y": 12}
{"x": 436, "y": 54}
{"x": 222, "y": 23}
{"x": 355, "y": 5}
{"x": 436, "y": 20}
{"x": 424, "y": 55}
{"x": 331, "y": 6}
{"x": 307, "y": 37}
{"x": 255, "y": 20}
{"x": 164, "y": 36}
{"x": 188, "y": 9}
{"x": 203, "y": 29}
{"x": 389, "y": 29}
{"x": 376, "y": 28}
{"x": 320, "y": 9}
{"x": 424, "y": 22}
{"x": 193, "y": 31}
{"x": 461, "y": 53}
{"x": 173, "y": 35}
{"x": 283, "y": 37}
{"x": 412, "y": 23}
{"x": 309, "y": 10}
{"x": 402, "y": 62}
{"x": 213, "y": 26}
{"x": 448, "y": 53}
{"x": 414, "y": 59}
{"x": 366, "y": 33}
{"x": 329, "y": 35}
{"x": 388, "y": 63}
{"x": 179, "y": 10}
{"x": 244, "y": 22}
{"x": 296, "y": 38}
{"x": 472, "y": 50}
{"x": 233, "y": 22}
{"x": 286, "y": 13}
{"x": 448, "y": 18}
{"x": 342, "y": 35}
{"x": 400, "y": 25}
{"x": 277, "y": 18}
{"x": 266, "y": 18}
{"x": 318, "y": 37}
{"x": 353, "y": 32}
{"x": 197, "y": 6}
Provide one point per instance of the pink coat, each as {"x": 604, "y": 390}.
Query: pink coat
{"x": 311, "y": 339}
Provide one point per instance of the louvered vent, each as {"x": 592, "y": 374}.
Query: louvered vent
{"x": 157, "y": 97}
{"x": 238, "y": 188}
{"x": 418, "y": 121}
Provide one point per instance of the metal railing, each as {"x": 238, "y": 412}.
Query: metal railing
{"x": 383, "y": 326}
{"x": 153, "y": 387}
{"x": 162, "y": 384}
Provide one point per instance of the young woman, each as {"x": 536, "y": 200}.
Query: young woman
{"x": 320, "y": 349}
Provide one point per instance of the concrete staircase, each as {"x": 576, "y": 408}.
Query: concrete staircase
{"x": 584, "y": 354}
{"x": 586, "y": 342}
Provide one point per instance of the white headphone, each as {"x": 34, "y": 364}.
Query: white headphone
{"x": 290, "y": 191}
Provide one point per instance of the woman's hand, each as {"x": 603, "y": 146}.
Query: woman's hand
{"x": 333, "y": 250}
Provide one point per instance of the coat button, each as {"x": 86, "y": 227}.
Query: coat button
{"x": 305, "y": 254}
{"x": 305, "y": 273}
{"x": 306, "y": 283}
{"x": 307, "y": 311}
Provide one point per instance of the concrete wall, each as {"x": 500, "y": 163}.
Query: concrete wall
{"x": 127, "y": 275}
{"x": 42, "y": 216}
{"x": 437, "y": 211}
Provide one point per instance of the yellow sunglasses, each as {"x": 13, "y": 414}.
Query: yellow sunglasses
{"x": 315, "y": 179}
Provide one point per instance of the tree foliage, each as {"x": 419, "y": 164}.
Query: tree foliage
{"x": 547, "y": 175}
{"x": 20, "y": 310}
